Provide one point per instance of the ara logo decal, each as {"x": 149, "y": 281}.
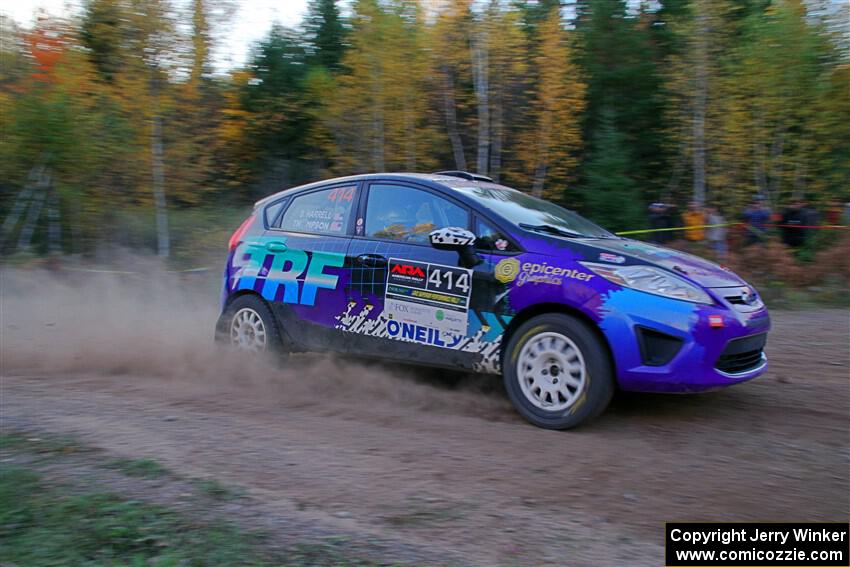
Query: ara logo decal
{"x": 408, "y": 270}
{"x": 290, "y": 276}
{"x": 407, "y": 273}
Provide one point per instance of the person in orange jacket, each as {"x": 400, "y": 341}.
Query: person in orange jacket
{"x": 694, "y": 219}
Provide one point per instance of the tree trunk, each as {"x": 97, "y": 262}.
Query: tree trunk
{"x": 54, "y": 229}
{"x": 34, "y": 212}
{"x": 34, "y": 178}
{"x": 539, "y": 179}
{"x": 18, "y": 208}
{"x": 673, "y": 184}
{"x": 800, "y": 180}
{"x": 481, "y": 82}
{"x": 497, "y": 133}
{"x": 377, "y": 121}
{"x": 700, "y": 99}
{"x": 758, "y": 171}
{"x": 775, "y": 166}
{"x": 163, "y": 243}
{"x": 410, "y": 134}
{"x": 378, "y": 140}
{"x": 451, "y": 121}
{"x": 543, "y": 146}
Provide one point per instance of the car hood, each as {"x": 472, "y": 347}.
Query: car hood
{"x": 703, "y": 272}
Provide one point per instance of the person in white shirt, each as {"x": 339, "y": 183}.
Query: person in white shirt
{"x": 716, "y": 235}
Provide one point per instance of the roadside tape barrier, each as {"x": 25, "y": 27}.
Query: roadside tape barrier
{"x": 648, "y": 230}
{"x": 699, "y": 227}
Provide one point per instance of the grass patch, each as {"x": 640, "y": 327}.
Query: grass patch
{"x": 41, "y": 525}
{"x": 217, "y": 490}
{"x": 146, "y": 468}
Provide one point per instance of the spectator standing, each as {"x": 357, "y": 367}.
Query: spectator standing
{"x": 694, "y": 219}
{"x": 794, "y": 217}
{"x": 674, "y": 220}
{"x": 716, "y": 232}
{"x": 811, "y": 217}
{"x": 756, "y": 216}
{"x": 833, "y": 213}
{"x": 657, "y": 221}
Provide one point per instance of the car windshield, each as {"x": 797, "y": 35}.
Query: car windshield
{"x": 531, "y": 213}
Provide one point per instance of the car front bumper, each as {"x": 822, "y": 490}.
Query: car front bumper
{"x": 715, "y": 345}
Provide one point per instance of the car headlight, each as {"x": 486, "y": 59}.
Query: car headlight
{"x": 651, "y": 280}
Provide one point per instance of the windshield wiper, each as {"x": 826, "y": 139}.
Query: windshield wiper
{"x": 552, "y": 229}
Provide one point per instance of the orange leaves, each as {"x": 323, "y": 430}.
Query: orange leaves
{"x": 46, "y": 45}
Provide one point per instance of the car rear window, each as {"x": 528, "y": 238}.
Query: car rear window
{"x": 272, "y": 211}
{"x": 320, "y": 212}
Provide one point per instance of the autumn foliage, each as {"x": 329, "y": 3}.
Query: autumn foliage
{"x": 605, "y": 107}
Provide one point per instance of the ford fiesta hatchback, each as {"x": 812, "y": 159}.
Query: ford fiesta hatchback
{"x": 453, "y": 270}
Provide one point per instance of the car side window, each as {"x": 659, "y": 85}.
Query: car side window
{"x": 398, "y": 212}
{"x": 490, "y": 238}
{"x": 320, "y": 212}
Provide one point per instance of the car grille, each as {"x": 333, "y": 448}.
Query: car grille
{"x": 736, "y": 299}
{"x": 742, "y": 355}
{"x": 744, "y": 298}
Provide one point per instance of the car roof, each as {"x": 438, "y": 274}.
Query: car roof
{"x": 450, "y": 181}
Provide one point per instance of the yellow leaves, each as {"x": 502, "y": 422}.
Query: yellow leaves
{"x": 553, "y": 135}
{"x": 450, "y": 34}
{"x": 372, "y": 118}
{"x": 508, "y": 50}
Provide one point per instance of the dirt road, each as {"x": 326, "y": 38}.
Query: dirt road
{"x": 441, "y": 466}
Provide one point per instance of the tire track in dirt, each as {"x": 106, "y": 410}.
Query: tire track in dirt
{"x": 393, "y": 453}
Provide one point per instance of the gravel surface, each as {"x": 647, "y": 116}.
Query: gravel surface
{"x": 443, "y": 468}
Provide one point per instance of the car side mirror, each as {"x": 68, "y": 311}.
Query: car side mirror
{"x": 458, "y": 239}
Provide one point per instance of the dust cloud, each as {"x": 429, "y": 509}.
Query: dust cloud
{"x": 150, "y": 327}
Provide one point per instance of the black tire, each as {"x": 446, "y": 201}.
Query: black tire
{"x": 274, "y": 344}
{"x": 597, "y": 390}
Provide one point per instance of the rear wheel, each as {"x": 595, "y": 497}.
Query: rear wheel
{"x": 249, "y": 326}
{"x": 557, "y": 372}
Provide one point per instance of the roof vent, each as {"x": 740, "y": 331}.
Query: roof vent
{"x": 465, "y": 175}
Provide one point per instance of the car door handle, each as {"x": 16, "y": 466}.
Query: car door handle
{"x": 275, "y": 246}
{"x": 372, "y": 260}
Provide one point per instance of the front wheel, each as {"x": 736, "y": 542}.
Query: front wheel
{"x": 557, "y": 372}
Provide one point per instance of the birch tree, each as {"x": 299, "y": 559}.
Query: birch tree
{"x": 374, "y": 114}
{"x": 550, "y": 142}
{"x": 450, "y": 42}
{"x": 507, "y": 82}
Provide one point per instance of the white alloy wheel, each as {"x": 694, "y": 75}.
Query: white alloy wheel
{"x": 247, "y": 331}
{"x": 551, "y": 371}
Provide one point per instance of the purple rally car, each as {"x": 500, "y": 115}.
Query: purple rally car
{"x": 453, "y": 270}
